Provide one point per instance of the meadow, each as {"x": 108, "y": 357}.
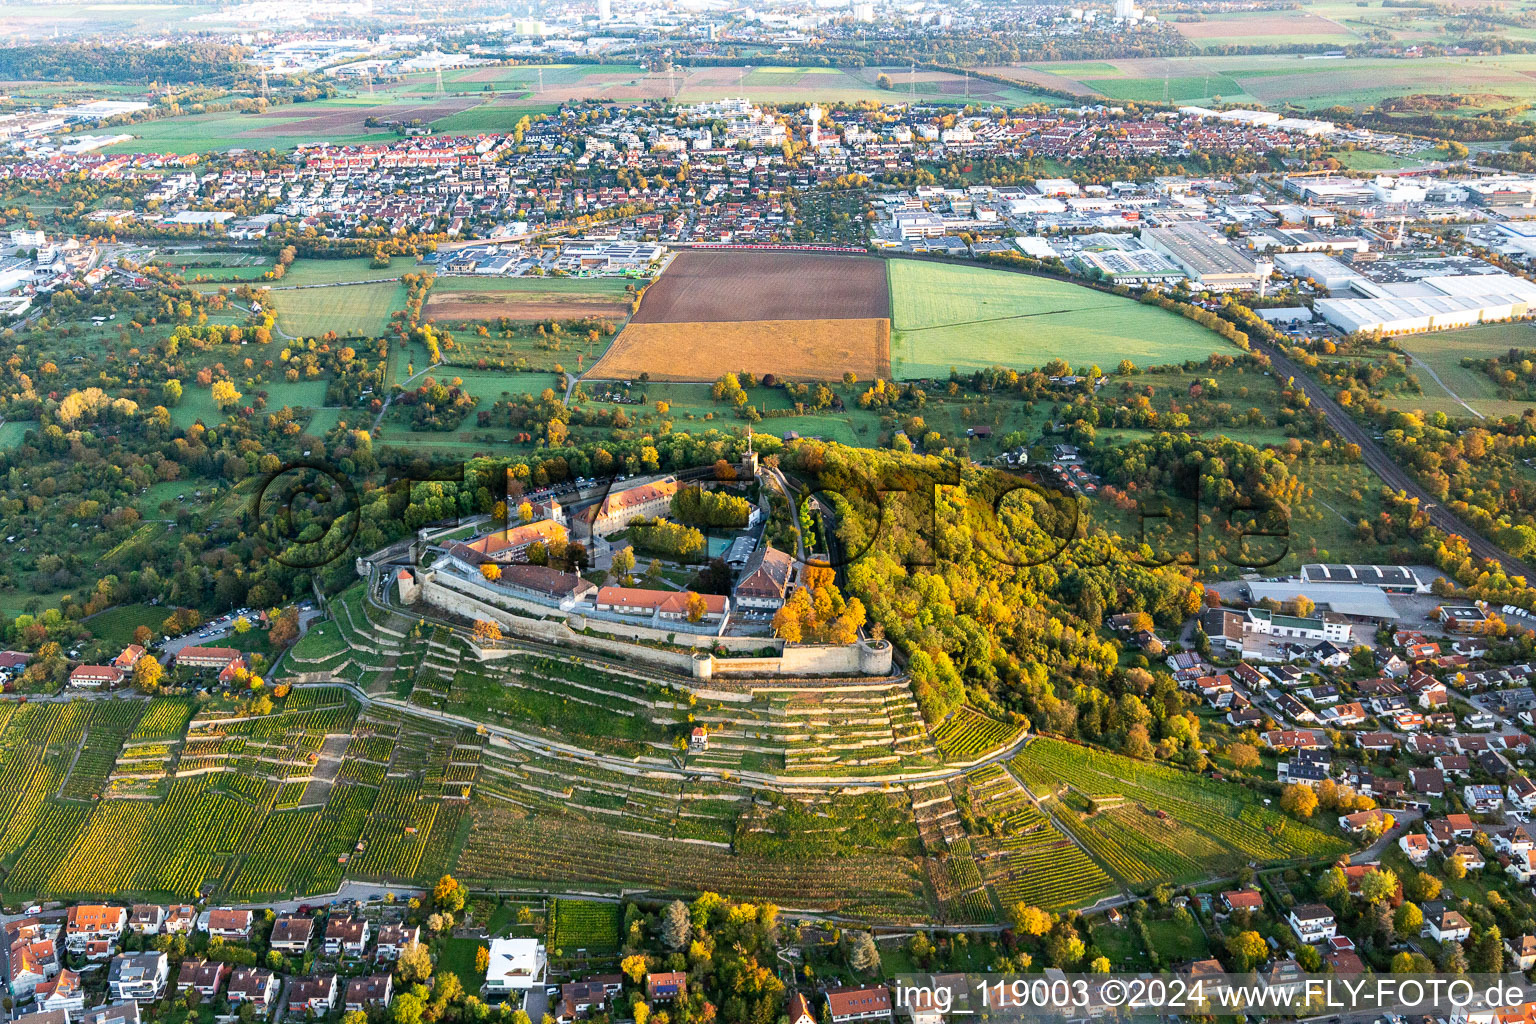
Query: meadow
{"x": 1441, "y": 352}
{"x": 13, "y": 432}
{"x": 344, "y": 271}
{"x": 970, "y": 318}
{"x": 356, "y": 310}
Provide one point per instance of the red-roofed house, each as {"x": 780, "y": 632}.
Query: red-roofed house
{"x": 94, "y": 677}
{"x": 858, "y": 1004}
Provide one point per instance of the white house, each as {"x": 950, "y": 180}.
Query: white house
{"x": 1312, "y": 922}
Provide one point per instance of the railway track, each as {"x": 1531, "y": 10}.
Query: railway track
{"x": 1381, "y": 463}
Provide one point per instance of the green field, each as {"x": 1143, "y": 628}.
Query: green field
{"x": 970, "y": 318}
{"x": 350, "y": 309}
{"x": 315, "y": 271}
{"x": 114, "y": 627}
{"x": 1443, "y": 351}
{"x": 13, "y": 432}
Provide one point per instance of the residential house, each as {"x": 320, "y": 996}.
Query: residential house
{"x": 665, "y": 985}
{"x": 180, "y": 920}
{"x": 87, "y": 922}
{"x": 118, "y": 1013}
{"x": 64, "y": 993}
{"x": 799, "y": 1010}
{"x": 859, "y": 1004}
{"x": 1362, "y": 821}
{"x": 1428, "y": 781}
{"x": 1243, "y": 899}
{"x": 44, "y": 1017}
{"x": 95, "y": 677}
{"x": 1471, "y": 857}
{"x": 1522, "y": 952}
{"x": 255, "y": 985}
{"x": 516, "y": 966}
{"x": 291, "y": 934}
{"x": 346, "y": 936}
{"x": 1522, "y": 792}
{"x": 229, "y": 925}
{"x": 146, "y": 919}
{"x": 372, "y": 988}
{"x": 580, "y": 999}
{"x": 393, "y": 938}
{"x": 314, "y": 995}
{"x": 204, "y": 976}
{"x": 1483, "y": 799}
{"x": 1444, "y": 924}
{"x": 138, "y": 976}
{"x": 32, "y": 963}
{"x": 1415, "y": 847}
{"x": 1312, "y": 922}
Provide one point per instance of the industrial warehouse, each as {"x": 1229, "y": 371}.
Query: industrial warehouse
{"x": 1426, "y": 295}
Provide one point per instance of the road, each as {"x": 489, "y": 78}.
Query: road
{"x": 1382, "y": 464}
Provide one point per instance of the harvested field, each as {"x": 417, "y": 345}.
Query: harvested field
{"x": 719, "y": 287}
{"x": 350, "y": 120}
{"x": 1288, "y": 26}
{"x": 798, "y": 350}
{"x": 454, "y": 304}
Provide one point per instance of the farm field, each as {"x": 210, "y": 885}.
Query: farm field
{"x": 1442, "y": 352}
{"x": 359, "y": 310}
{"x": 519, "y": 298}
{"x": 1275, "y": 27}
{"x": 1278, "y": 80}
{"x": 792, "y": 349}
{"x": 719, "y": 287}
{"x": 801, "y": 316}
{"x": 970, "y": 318}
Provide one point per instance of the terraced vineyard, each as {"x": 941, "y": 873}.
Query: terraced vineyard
{"x": 1151, "y": 822}
{"x": 1027, "y": 858}
{"x": 120, "y": 797}
{"x": 966, "y": 735}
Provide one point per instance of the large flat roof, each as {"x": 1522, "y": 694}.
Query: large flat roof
{"x": 1344, "y": 598}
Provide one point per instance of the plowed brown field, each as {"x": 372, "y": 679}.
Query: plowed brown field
{"x": 718, "y": 286}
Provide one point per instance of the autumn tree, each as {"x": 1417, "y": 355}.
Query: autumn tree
{"x": 224, "y": 395}
{"x": 147, "y": 674}
{"x": 486, "y": 632}
{"x": 448, "y": 894}
{"x": 415, "y": 963}
{"x": 1299, "y": 800}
